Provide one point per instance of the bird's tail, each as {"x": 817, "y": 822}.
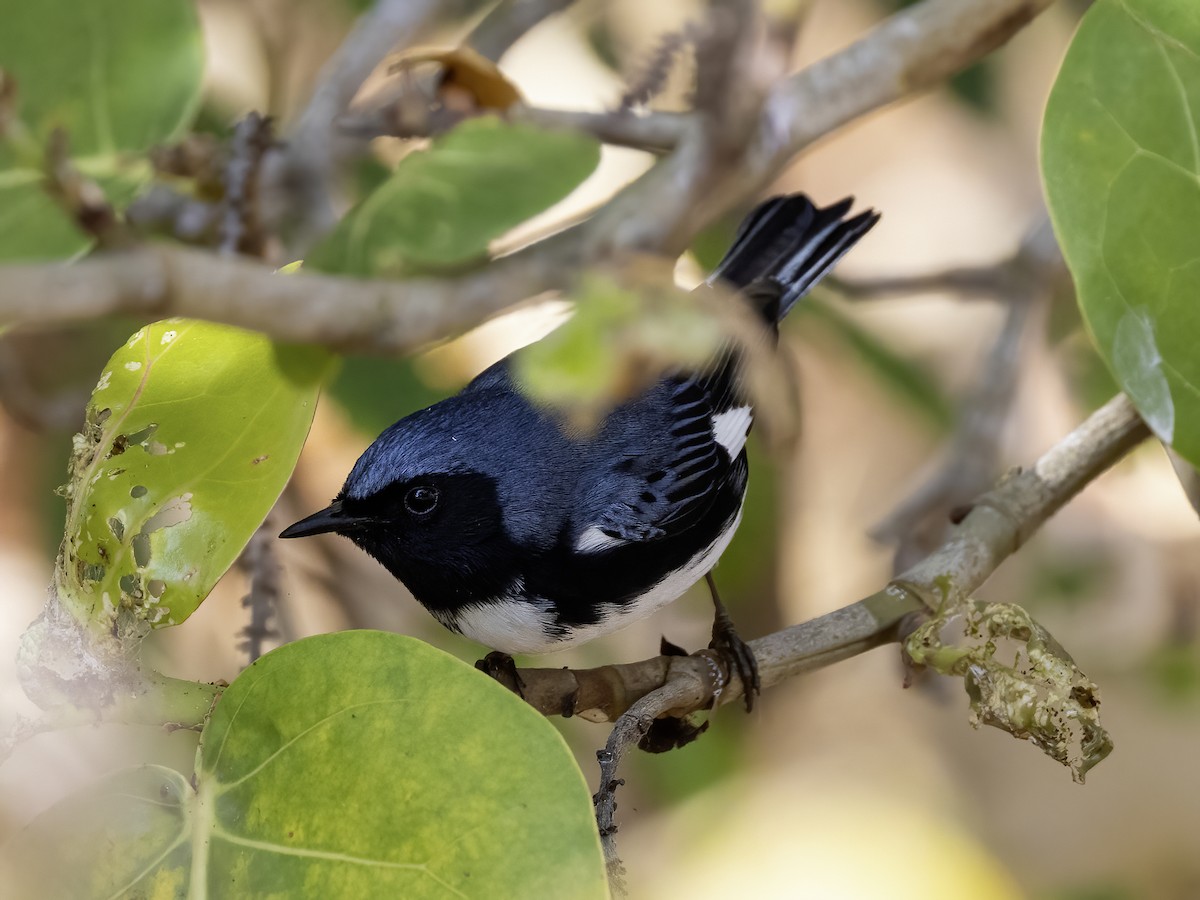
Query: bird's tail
{"x": 789, "y": 244}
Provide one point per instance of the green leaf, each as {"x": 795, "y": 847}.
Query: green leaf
{"x": 360, "y": 764}
{"x": 1121, "y": 164}
{"x": 619, "y": 341}
{"x": 191, "y": 434}
{"x": 32, "y": 225}
{"x": 375, "y": 392}
{"x": 126, "y": 831}
{"x": 118, "y": 75}
{"x": 442, "y": 206}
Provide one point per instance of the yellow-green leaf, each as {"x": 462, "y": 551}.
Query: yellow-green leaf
{"x": 360, "y": 764}
{"x": 191, "y": 434}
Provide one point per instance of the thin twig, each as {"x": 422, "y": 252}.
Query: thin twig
{"x": 79, "y": 196}
{"x": 263, "y": 600}
{"x": 652, "y": 79}
{"x": 241, "y": 225}
{"x": 998, "y": 524}
{"x": 509, "y": 21}
{"x": 908, "y": 52}
{"x": 630, "y": 728}
{"x": 298, "y": 178}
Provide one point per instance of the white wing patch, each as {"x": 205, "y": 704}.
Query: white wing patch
{"x": 593, "y": 539}
{"x": 731, "y": 427}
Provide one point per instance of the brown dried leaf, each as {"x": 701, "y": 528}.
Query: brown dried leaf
{"x": 468, "y": 78}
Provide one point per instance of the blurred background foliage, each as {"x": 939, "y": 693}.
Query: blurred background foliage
{"x": 841, "y": 784}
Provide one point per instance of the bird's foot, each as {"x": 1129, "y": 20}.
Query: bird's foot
{"x": 737, "y": 656}
{"x": 500, "y": 667}
{"x": 734, "y": 652}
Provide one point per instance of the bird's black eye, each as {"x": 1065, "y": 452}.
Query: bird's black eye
{"x": 421, "y": 500}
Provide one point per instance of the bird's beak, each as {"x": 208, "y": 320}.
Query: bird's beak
{"x": 331, "y": 518}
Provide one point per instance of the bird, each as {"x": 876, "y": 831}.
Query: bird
{"x": 530, "y": 536}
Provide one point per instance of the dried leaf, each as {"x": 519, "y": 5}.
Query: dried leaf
{"x": 1041, "y": 696}
{"x": 467, "y": 71}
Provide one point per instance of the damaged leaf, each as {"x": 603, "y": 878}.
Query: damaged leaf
{"x": 191, "y": 433}
{"x": 1018, "y": 678}
{"x": 464, "y": 70}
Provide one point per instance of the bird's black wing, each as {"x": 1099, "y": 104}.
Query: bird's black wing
{"x": 662, "y": 465}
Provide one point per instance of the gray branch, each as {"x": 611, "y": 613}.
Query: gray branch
{"x": 911, "y": 51}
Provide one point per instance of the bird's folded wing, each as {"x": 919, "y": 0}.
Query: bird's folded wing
{"x": 663, "y": 469}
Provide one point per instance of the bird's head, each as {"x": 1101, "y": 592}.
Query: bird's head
{"x": 416, "y": 503}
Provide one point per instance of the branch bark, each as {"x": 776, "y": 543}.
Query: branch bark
{"x": 299, "y": 177}
{"x": 635, "y": 695}
{"x": 911, "y": 51}
{"x": 1000, "y": 522}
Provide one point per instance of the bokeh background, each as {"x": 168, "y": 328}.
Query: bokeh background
{"x": 842, "y": 784}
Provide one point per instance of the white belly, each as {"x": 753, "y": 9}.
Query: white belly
{"x": 527, "y": 626}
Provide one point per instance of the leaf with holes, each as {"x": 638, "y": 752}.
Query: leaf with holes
{"x": 360, "y": 764}
{"x": 442, "y": 206}
{"x": 1121, "y": 165}
{"x": 191, "y": 434}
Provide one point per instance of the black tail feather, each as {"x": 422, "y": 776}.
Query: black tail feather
{"x": 791, "y": 243}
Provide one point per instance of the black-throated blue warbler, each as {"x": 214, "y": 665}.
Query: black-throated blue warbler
{"x": 528, "y": 538}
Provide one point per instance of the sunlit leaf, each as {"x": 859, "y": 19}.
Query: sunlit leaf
{"x": 360, "y": 764}
{"x": 1121, "y": 163}
{"x": 191, "y": 434}
{"x": 442, "y": 206}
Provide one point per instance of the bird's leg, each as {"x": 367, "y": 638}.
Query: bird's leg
{"x": 500, "y": 667}
{"x": 736, "y": 652}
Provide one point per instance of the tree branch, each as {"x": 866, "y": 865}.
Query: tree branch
{"x": 998, "y": 524}
{"x": 635, "y": 695}
{"x": 298, "y": 178}
{"x": 908, "y": 52}
{"x": 507, "y": 22}
{"x": 343, "y": 313}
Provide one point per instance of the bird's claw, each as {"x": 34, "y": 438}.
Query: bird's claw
{"x": 737, "y": 656}
{"x": 500, "y": 667}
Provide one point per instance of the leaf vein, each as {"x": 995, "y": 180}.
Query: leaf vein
{"x": 224, "y": 787}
